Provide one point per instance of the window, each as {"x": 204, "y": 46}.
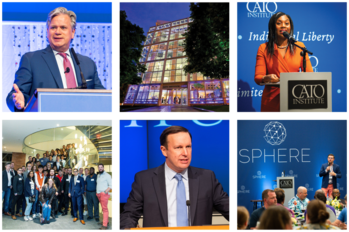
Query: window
{"x": 148, "y": 94}
{"x": 157, "y": 52}
{"x": 177, "y": 32}
{"x": 163, "y": 26}
{"x": 174, "y": 70}
{"x": 161, "y": 36}
{"x": 144, "y": 54}
{"x": 176, "y": 49}
{"x": 197, "y": 77}
{"x": 131, "y": 93}
{"x": 153, "y": 73}
{"x": 151, "y": 29}
{"x": 149, "y": 38}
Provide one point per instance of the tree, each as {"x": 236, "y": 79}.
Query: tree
{"x": 131, "y": 38}
{"x": 207, "y": 40}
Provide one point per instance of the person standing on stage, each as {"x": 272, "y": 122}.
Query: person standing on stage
{"x": 329, "y": 173}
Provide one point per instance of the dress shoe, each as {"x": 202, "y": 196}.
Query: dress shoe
{"x": 14, "y": 217}
{"x": 89, "y": 218}
{"x": 103, "y": 228}
{"x": 75, "y": 219}
{"x": 63, "y": 214}
{"x": 82, "y": 222}
{"x": 97, "y": 219}
{"x": 101, "y": 223}
{"x": 8, "y": 214}
{"x": 19, "y": 215}
{"x": 53, "y": 216}
{"x": 60, "y": 211}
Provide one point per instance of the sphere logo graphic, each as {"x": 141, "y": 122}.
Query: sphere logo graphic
{"x": 275, "y": 133}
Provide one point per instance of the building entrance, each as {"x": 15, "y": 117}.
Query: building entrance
{"x": 174, "y": 96}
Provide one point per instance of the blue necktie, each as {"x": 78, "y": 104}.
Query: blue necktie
{"x": 182, "y": 218}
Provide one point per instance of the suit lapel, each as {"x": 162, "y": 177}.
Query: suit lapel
{"x": 160, "y": 190}
{"x": 193, "y": 191}
{"x": 77, "y": 69}
{"x": 51, "y": 62}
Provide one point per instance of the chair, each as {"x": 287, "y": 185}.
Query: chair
{"x": 332, "y": 215}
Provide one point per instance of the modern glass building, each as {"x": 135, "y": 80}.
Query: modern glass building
{"x": 165, "y": 82}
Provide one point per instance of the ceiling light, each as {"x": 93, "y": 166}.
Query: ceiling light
{"x": 57, "y": 124}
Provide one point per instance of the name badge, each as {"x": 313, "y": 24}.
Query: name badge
{"x": 20, "y": 179}
{"x": 68, "y": 180}
{"x": 92, "y": 179}
{"x": 77, "y": 181}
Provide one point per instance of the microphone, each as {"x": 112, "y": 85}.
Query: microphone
{"x": 188, "y": 204}
{"x": 83, "y": 85}
{"x": 67, "y": 70}
{"x": 290, "y": 38}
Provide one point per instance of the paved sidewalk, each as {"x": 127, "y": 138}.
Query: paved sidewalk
{"x": 165, "y": 110}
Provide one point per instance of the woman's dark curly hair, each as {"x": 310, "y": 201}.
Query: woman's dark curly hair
{"x": 272, "y": 36}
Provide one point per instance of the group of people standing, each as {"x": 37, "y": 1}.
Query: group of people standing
{"x": 44, "y": 188}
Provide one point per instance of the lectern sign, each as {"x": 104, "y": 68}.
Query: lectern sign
{"x": 307, "y": 94}
{"x": 286, "y": 183}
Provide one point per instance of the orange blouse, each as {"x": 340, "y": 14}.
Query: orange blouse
{"x": 276, "y": 65}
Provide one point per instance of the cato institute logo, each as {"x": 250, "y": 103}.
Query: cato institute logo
{"x": 275, "y": 133}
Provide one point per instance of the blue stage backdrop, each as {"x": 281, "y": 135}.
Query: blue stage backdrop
{"x": 299, "y": 151}
{"x": 322, "y": 27}
{"x": 140, "y": 148}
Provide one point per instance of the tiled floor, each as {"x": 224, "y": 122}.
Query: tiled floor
{"x": 166, "y": 110}
{"x": 61, "y": 224}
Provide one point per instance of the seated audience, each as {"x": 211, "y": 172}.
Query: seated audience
{"x": 317, "y": 216}
{"x": 243, "y": 217}
{"x": 269, "y": 199}
{"x": 300, "y": 201}
{"x": 320, "y": 195}
{"x": 280, "y": 198}
{"x": 337, "y": 195}
{"x": 341, "y": 221}
{"x": 275, "y": 218}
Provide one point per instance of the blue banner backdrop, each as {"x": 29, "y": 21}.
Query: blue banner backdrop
{"x": 322, "y": 27}
{"x": 300, "y": 152}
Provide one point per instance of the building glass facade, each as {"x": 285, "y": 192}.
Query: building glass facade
{"x": 165, "y": 82}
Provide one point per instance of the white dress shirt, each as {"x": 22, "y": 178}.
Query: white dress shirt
{"x": 171, "y": 193}
{"x": 59, "y": 60}
{"x": 9, "y": 177}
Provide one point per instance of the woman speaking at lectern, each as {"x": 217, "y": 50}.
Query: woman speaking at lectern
{"x": 276, "y": 56}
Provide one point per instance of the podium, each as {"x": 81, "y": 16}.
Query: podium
{"x": 70, "y": 100}
{"x": 213, "y": 227}
{"x": 287, "y": 184}
{"x": 306, "y": 92}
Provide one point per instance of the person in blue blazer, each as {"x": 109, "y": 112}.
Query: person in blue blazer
{"x": 329, "y": 172}
{"x": 48, "y": 68}
{"x": 76, "y": 189}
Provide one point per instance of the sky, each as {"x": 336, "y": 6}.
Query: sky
{"x": 145, "y": 15}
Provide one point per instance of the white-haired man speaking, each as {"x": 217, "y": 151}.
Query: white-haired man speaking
{"x": 54, "y": 66}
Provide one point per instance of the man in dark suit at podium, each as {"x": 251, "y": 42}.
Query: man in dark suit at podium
{"x": 54, "y": 66}
{"x": 161, "y": 193}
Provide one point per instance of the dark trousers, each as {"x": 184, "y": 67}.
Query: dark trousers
{"x": 11, "y": 199}
{"x": 77, "y": 201}
{"x": 67, "y": 199}
{"x": 53, "y": 205}
{"x": 24, "y": 205}
{"x": 17, "y": 200}
{"x": 92, "y": 204}
{"x": 60, "y": 202}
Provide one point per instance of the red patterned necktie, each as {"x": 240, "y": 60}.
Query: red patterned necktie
{"x": 69, "y": 76}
